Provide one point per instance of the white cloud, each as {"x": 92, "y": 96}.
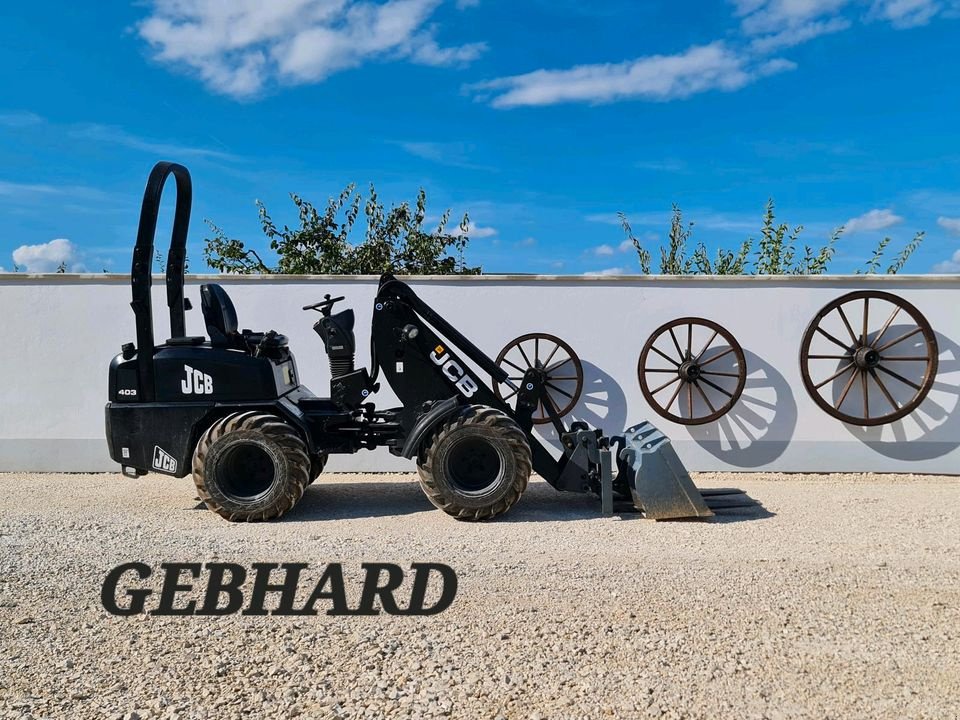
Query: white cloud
{"x": 607, "y": 272}
{"x": 871, "y": 221}
{"x": 47, "y": 257}
{"x": 951, "y": 225}
{"x": 113, "y": 135}
{"x": 20, "y": 119}
{"x": 16, "y": 188}
{"x": 655, "y": 77}
{"x": 476, "y": 231}
{"x": 602, "y": 250}
{"x": 774, "y": 16}
{"x": 906, "y": 13}
{"x": 625, "y": 246}
{"x": 949, "y": 266}
{"x": 668, "y": 165}
{"x": 238, "y": 47}
{"x": 456, "y": 154}
{"x": 792, "y": 36}
{"x": 528, "y": 242}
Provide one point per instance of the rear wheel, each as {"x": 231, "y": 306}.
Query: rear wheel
{"x": 251, "y": 466}
{"x": 477, "y": 464}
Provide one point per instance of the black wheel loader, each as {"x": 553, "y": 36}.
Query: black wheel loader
{"x": 229, "y": 407}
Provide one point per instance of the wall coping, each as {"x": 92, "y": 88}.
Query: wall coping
{"x": 119, "y": 278}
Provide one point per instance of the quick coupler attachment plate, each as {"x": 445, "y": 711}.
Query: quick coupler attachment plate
{"x": 659, "y": 483}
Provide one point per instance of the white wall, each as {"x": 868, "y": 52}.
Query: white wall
{"x": 59, "y": 333}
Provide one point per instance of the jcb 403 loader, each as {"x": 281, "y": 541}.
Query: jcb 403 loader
{"x": 229, "y": 408}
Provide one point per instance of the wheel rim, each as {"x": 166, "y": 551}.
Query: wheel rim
{"x": 474, "y": 466}
{"x": 699, "y": 377}
{"x": 248, "y": 472}
{"x": 852, "y": 345}
{"x": 559, "y": 366}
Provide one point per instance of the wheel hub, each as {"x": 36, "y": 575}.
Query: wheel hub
{"x": 473, "y": 465}
{"x": 866, "y": 358}
{"x": 690, "y": 371}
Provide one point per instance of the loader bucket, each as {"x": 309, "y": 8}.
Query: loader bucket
{"x": 659, "y": 483}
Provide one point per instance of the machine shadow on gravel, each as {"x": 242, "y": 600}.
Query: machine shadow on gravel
{"x": 540, "y": 503}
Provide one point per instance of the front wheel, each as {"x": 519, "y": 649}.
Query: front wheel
{"x": 251, "y": 466}
{"x": 476, "y": 465}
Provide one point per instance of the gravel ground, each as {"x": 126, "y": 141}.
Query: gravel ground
{"x": 841, "y": 599}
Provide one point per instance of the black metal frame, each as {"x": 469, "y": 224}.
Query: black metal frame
{"x": 145, "y": 409}
{"x": 141, "y": 277}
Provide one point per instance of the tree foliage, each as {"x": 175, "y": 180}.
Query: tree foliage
{"x": 395, "y": 240}
{"x": 778, "y": 251}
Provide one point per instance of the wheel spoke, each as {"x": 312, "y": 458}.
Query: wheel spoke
{"x": 665, "y": 385}
{"x": 717, "y": 357}
{"x": 899, "y": 377}
{"x": 507, "y": 397}
{"x": 722, "y": 374}
{"x": 515, "y": 367}
{"x": 900, "y": 339}
{"x": 716, "y": 387}
{"x": 673, "y": 397}
{"x": 887, "y": 324}
{"x": 525, "y": 358}
{"x": 831, "y": 338}
{"x": 846, "y": 323}
{"x": 834, "y": 376}
{"x": 572, "y": 377}
{"x": 883, "y": 389}
{"x": 689, "y": 341}
{"x": 550, "y": 356}
{"x": 866, "y": 316}
{"x": 660, "y": 370}
{"x": 702, "y": 351}
{"x": 705, "y": 398}
{"x": 906, "y": 358}
{"x": 559, "y": 364}
{"x": 846, "y": 391}
{"x": 829, "y": 357}
{"x": 536, "y": 350}
{"x": 689, "y": 399}
{"x": 664, "y": 355}
{"x": 866, "y": 395}
{"x": 676, "y": 344}
{"x": 562, "y": 392}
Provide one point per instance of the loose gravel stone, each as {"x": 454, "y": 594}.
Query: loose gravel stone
{"x": 839, "y": 599}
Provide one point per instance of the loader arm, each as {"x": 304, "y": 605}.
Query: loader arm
{"x": 419, "y": 374}
{"x": 418, "y": 352}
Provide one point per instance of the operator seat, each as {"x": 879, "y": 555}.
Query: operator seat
{"x": 220, "y": 317}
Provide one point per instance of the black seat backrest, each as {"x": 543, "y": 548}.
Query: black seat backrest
{"x": 219, "y": 314}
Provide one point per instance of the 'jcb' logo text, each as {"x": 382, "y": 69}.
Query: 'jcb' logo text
{"x": 455, "y": 374}
{"x": 163, "y": 461}
{"x": 196, "y": 382}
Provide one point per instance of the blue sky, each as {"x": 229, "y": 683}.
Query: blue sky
{"x": 541, "y": 118}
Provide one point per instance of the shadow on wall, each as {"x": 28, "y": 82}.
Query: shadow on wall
{"x": 759, "y": 426}
{"x": 602, "y": 404}
{"x": 933, "y": 429}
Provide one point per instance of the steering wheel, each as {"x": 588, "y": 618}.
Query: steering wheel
{"x": 325, "y": 306}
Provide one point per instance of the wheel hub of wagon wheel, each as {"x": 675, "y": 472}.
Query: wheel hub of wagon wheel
{"x": 891, "y": 367}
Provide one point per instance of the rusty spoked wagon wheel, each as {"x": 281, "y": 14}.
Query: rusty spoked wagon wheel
{"x": 694, "y": 365}
{"x": 853, "y": 347}
{"x": 563, "y": 373}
